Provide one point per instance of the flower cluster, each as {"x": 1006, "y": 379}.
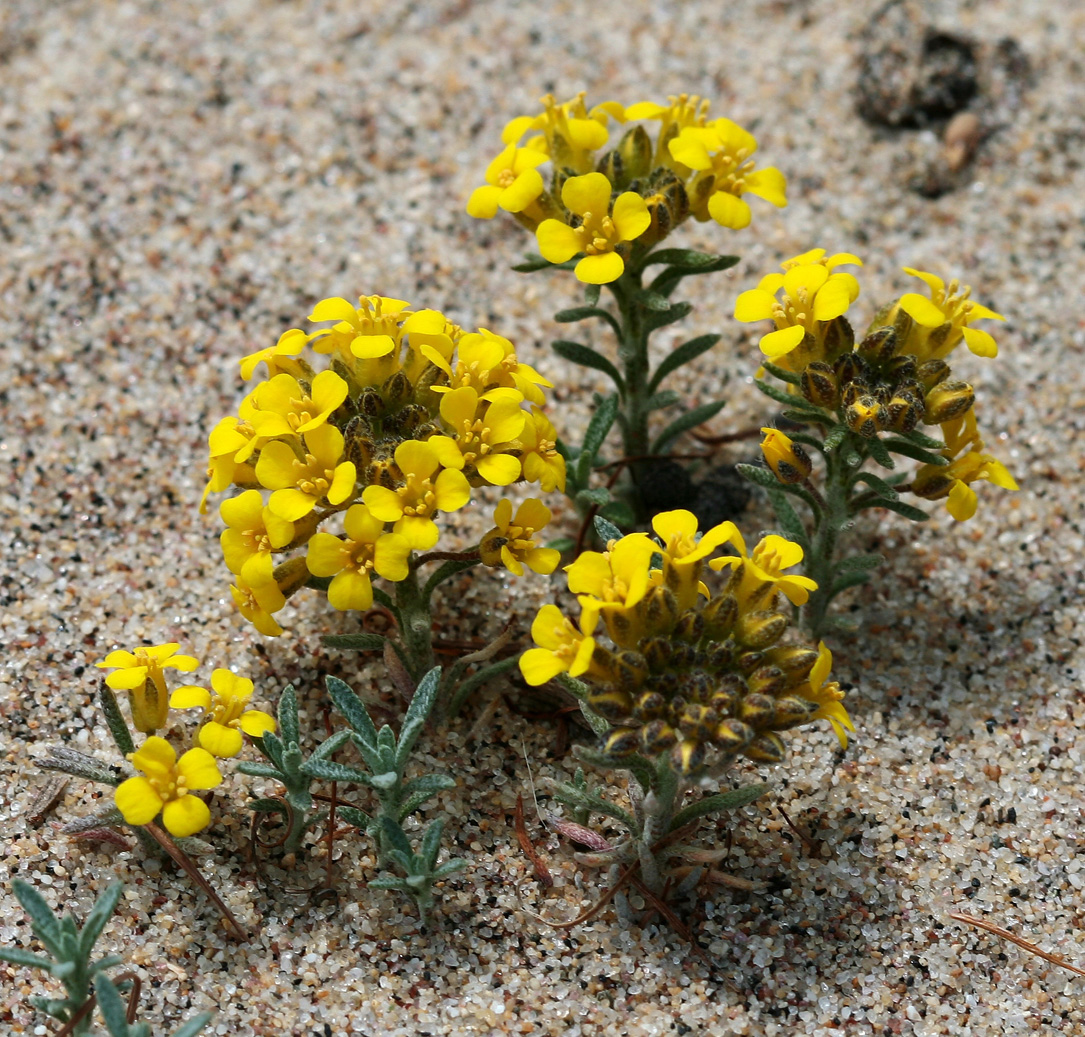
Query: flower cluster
{"x": 689, "y": 675}
{"x": 602, "y": 201}
{"x": 408, "y": 415}
{"x": 891, "y": 381}
{"x": 166, "y": 782}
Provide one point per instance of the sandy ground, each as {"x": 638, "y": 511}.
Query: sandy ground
{"x": 180, "y": 182}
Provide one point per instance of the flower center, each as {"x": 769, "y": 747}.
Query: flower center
{"x": 313, "y": 480}
{"x": 299, "y": 412}
{"x": 418, "y": 496}
{"x": 169, "y": 786}
{"x": 597, "y": 234}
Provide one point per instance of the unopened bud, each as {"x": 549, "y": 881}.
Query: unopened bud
{"x": 879, "y": 346}
{"x": 611, "y": 704}
{"x": 291, "y": 576}
{"x": 766, "y": 748}
{"x": 947, "y": 401}
{"x": 819, "y": 383}
{"x": 657, "y": 737}
{"x": 688, "y": 756}
{"x": 788, "y": 461}
{"x": 622, "y": 741}
{"x": 760, "y": 629}
{"x": 931, "y": 372}
{"x": 863, "y": 417}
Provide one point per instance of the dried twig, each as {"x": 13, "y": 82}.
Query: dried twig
{"x": 997, "y": 930}
{"x": 542, "y": 873}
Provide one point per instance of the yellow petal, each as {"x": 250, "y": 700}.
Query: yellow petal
{"x": 126, "y": 680}
{"x": 186, "y": 816}
{"x": 808, "y": 279}
{"x": 415, "y": 458}
{"x": 483, "y": 203}
{"x": 256, "y": 723}
{"x": 390, "y": 557}
{"x": 979, "y": 342}
{"x": 679, "y": 523}
{"x": 755, "y": 304}
{"x": 770, "y": 184}
{"x": 334, "y": 309}
{"x": 351, "y": 591}
{"x": 729, "y": 211}
{"x": 543, "y": 560}
{"x": 291, "y": 504}
{"x": 936, "y": 284}
{"x": 922, "y": 310}
{"x": 962, "y": 501}
{"x": 382, "y": 502}
{"x": 631, "y": 216}
{"x": 190, "y": 696}
{"x": 154, "y": 755}
{"x": 539, "y": 666}
{"x": 420, "y": 533}
{"x": 325, "y": 555}
{"x": 557, "y": 241}
{"x": 199, "y": 769}
{"x": 587, "y": 193}
{"x": 522, "y": 191}
{"x": 137, "y": 801}
{"x": 342, "y": 483}
{"x": 452, "y": 490}
{"x": 220, "y": 740}
{"x": 118, "y": 657}
{"x": 244, "y": 511}
{"x": 601, "y": 269}
{"x": 832, "y": 300}
{"x": 496, "y": 469}
{"x": 777, "y": 343}
{"x": 531, "y": 513}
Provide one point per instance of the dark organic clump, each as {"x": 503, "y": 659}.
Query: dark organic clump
{"x": 722, "y": 496}
{"x": 910, "y": 74}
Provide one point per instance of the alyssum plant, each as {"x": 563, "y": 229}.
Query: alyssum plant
{"x": 860, "y": 400}
{"x": 70, "y": 960}
{"x": 612, "y": 206}
{"x": 345, "y": 471}
{"x": 688, "y": 683}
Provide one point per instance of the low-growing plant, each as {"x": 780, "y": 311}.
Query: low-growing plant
{"x": 613, "y": 205}
{"x": 862, "y": 400}
{"x": 71, "y": 949}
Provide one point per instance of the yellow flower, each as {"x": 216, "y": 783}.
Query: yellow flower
{"x": 485, "y": 361}
{"x": 720, "y": 153}
{"x": 947, "y": 306}
{"x": 813, "y": 295}
{"x": 141, "y": 674}
{"x": 788, "y": 461}
{"x": 562, "y": 648}
{"x": 221, "y": 734}
{"x": 484, "y": 432}
{"x": 257, "y": 602}
{"x": 827, "y": 696}
{"x": 167, "y": 787}
{"x": 423, "y": 494}
{"x": 601, "y": 229}
{"x": 540, "y": 458}
{"x": 570, "y": 132}
{"x": 683, "y": 110}
{"x": 951, "y": 481}
{"x": 370, "y": 329}
{"x": 511, "y": 542}
{"x": 763, "y": 571}
{"x": 512, "y": 183}
{"x": 230, "y": 438}
{"x": 611, "y": 583}
{"x": 683, "y": 554}
{"x": 280, "y": 358}
{"x": 284, "y": 408}
{"x": 254, "y": 532}
{"x": 351, "y": 561}
{"x": 302, "y": 482}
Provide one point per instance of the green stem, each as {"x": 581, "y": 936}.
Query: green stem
{"x": 832, "y": 513}
{"x": 415, "y": 625}
{"x": 659, "y": 806}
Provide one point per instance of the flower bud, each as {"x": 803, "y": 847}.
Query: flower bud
{"x": 766, "y": 748}
{"x": 837, "y": 338}
{"x": 788, "y": 461}
{"x": 931, "y": 372}
{"x": 660, "y": 610}
{"x": 767, "y": 680}
{"x": 795, "y": 660}
{"x": 630, "y": 670}
{"x": 687, "y": 756}
{"x": 848, "y": 368}
{"x": 819, "y": 384}
{"x": 864, "y": 417}
{"x": 947, "y": 401}
{"x": 732, "y": 735}
{"x": 291, "y": 576}
{"x": 651, "y": 706}
{"x": 756, "y": 710}
{"x": 932, "y": 483}
{"x": 622, "y": 741}
{"x": 791, "y": 711}
{"x": 879, "y": 346}
{"x": 690, "y": 627}
{"x": 657, "y": 736}
{"x": 611, "y": 704}
{"x": 760, "y": 629}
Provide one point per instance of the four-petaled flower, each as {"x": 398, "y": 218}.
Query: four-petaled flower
{"x": 227, "y": 715}
{"x": 721, "y": 154}
{"x": 511, "y": 542}
{"x": 300, "y": 483}
{"x": 423, "y": 493}
{"x": 253, "y": 532}
{"x": 540, "y": 458}
{"x": 140, "y": 673}
{"x": 512, "y": 183}
{"x": 827, "y": 696}
{"x": 813, "y": 295}
{"x": 562, "y": 648}
{"x": 284, "y": 408}
{"x": 230, "y": 439}
{"x": 256, "y": 602}
{"x": 484, "y": 431}
{"x": 370, "y": 329}
{"x": 612, "y": 582}
{"x": 762, "y": 573}
{"x": 352, "y": 560}
{"x": 600, "y": 232}
{"x": 949, "y": 307}
{"x": 684, "y": 554}
{"x": 167, "y": 787}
